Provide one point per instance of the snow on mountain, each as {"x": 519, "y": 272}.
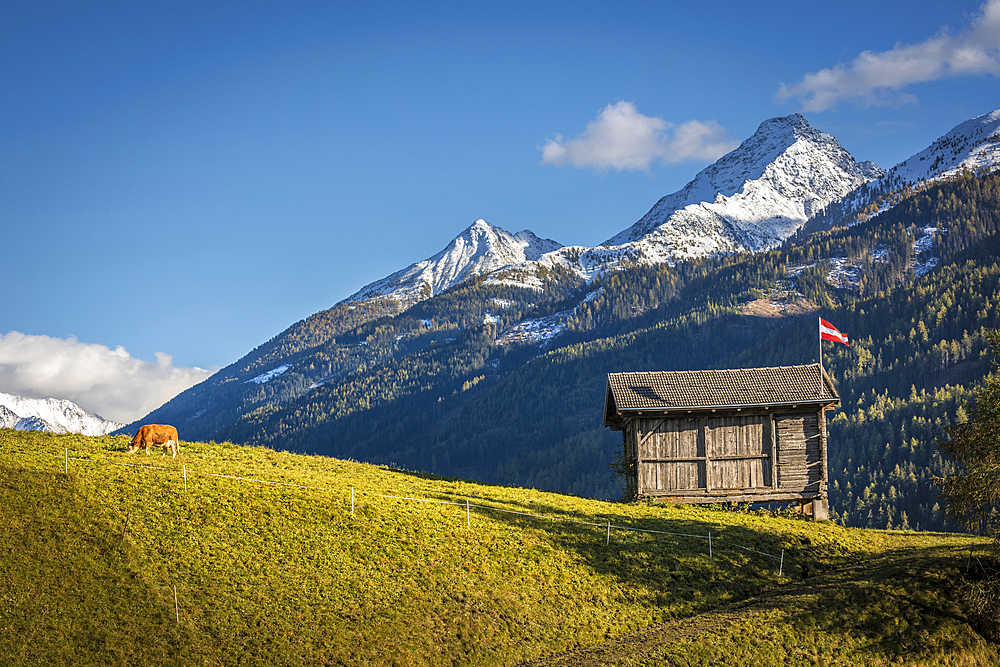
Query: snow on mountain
{"x": 480, "y": 249}
{"x": 845, "y": 273}
{"x": 263, "y": 378}
{"x": 973, "y": 145}
{"x": 752, "y": 198}
{"x": 539, "y": 331}
{"x": 8, "y": 418}
{"x": 52, "y": 415}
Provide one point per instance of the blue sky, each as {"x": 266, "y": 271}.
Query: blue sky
{"x": 190, "y": 179}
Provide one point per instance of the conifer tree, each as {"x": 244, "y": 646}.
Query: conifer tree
{"x": 974, "y": 491}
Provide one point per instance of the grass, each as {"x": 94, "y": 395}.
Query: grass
{"x": 270, "y": 574}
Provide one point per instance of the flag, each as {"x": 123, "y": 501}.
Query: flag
{"x": 829, "y": 332}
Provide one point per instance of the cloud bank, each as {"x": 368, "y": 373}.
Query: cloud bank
{"x": 110, "y": 383}
{"x": 878, "y": 78}
{"x": 623, "y": 139}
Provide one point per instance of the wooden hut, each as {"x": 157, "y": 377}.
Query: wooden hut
{"x": 739, "y": 435}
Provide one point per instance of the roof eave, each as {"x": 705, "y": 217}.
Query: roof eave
{"x": 831, "y": 400}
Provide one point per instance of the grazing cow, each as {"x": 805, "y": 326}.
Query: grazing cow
{"x": 156, "y": 434}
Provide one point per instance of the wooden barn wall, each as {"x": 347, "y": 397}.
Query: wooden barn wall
{"x": 631, "y": 457}
{"x": 800, "y": 465}
{"x": 738, "y": 452}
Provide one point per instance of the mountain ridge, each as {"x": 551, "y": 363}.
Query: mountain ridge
{"x": 749, "y": 200}
{"x": 421, "y": 389}
{"x": 972, "y": 145}
{"x": 778, "y": 142}
{"x": 481, "y": 248}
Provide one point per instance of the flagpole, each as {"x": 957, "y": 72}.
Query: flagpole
{"x": 819, "y": 331}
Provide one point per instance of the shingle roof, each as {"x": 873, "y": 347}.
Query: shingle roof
{"x": 737, "y": 387}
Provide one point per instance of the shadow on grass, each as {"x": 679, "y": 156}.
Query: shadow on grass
{"x": 689, "y": 535}
{"x": 901, "y": 607}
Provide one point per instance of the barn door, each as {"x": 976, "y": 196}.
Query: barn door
{"x": 800, "y": 467}
{"x": 738, "y": 452}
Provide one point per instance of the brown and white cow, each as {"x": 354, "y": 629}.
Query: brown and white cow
{"x": 156, "y": 434}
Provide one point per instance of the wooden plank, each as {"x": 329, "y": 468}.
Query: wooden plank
{"x": 703, "y": 448}
{"x": 739, "y": 457}
{"x": 791, "y": 450}
{"x": 774, "y": 451}
{"x": 824, "y": 472}
{"x": 640, "y": 473}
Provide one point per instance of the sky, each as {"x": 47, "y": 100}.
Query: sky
{"x": 180, "y": 182}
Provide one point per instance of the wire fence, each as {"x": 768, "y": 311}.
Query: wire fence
{"x": 712, "y": 542}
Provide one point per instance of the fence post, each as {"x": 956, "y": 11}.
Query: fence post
{"x": 177, "y": 612}
{"x": 608, "y": 543}
{"x": 66, "y": 467}
{"x": 352, "y": 500}
{"x": 781, "y": 567}
{"x": 185, "y": 478}
{"x": 710, "y": 557}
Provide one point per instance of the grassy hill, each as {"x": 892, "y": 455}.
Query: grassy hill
{"x": 286, "y": 573}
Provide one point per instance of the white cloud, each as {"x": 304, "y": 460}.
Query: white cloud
{"x": 878, "y": 77}
{"x": 107, "y": 382}
{"x": 621, "y": 138}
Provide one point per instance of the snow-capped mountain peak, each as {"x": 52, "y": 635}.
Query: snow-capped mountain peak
{"x": 51, "y": 414}
{"x": 752, "y": 198}
{"x": 482, "y": 248}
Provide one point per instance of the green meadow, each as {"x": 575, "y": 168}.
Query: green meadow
{"x": 285, "y": 573}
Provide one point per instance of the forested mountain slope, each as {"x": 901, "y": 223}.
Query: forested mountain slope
{"x": 914, "y": 288}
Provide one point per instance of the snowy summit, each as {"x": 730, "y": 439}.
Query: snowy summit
{"x": 52, "y": 415}
{"x": 752, "y": 198}
{"x": 480, "y": 249}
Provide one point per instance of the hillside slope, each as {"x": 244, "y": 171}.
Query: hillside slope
{"x": 335, "y": 562}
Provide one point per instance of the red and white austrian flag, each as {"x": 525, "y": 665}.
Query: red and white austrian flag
{"x": 829, "y": 332}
